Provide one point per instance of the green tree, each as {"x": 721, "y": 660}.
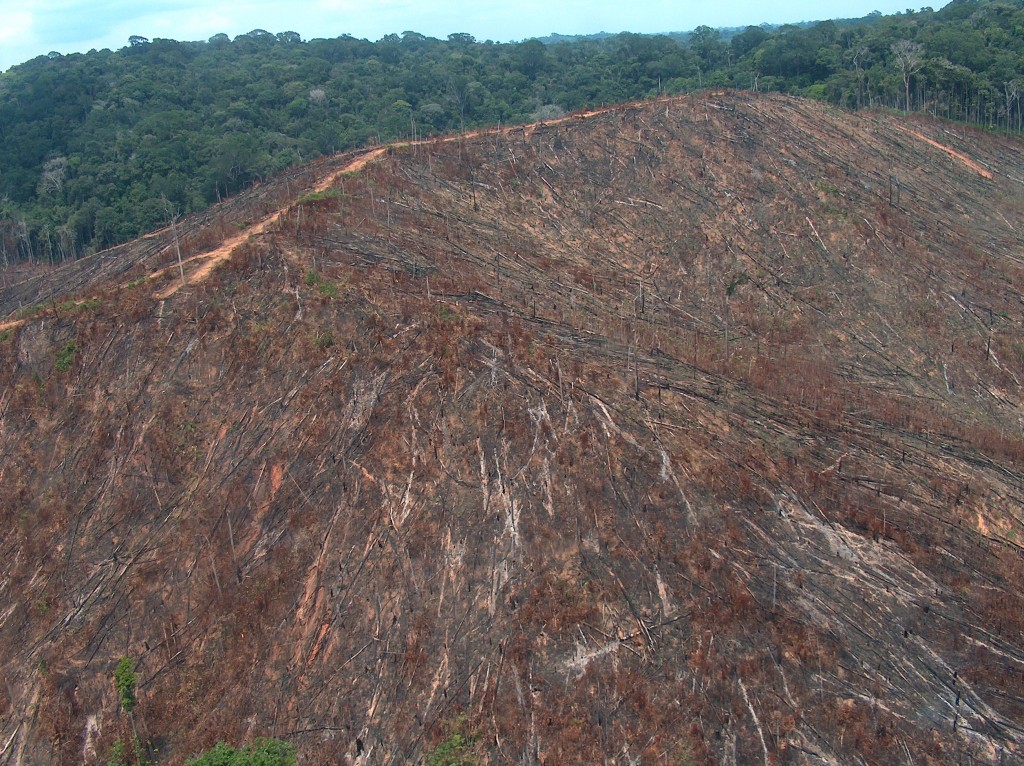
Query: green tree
{"x": 746, "y": 41}
{"x": 531, "y": 57}
{"x": 707, "y": 44}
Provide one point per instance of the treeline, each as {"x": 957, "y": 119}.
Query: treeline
{"x": 98, "y": 148}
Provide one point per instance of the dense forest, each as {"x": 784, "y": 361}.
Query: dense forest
{"x": 98, "y": 148}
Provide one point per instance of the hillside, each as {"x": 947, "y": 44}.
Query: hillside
{"x": 686, "y": 431}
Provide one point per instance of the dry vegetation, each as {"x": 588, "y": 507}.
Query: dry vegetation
{"x": 688, "y": 432}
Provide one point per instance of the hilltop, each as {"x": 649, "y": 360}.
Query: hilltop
{"x": 681, "y": 431}
{"x": 97, "y": 149}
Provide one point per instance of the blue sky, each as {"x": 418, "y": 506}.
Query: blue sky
{"x": 30, "y": 28}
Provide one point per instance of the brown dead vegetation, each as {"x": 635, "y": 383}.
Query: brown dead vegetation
{"x": 669, "y": 434}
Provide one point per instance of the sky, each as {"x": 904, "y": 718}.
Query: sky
{"x": 30, "y": 28}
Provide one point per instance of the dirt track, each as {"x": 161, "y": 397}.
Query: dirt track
{"x": 197, "y": 268}
{"x": 220, "y": 254}
{"x": 952, "y": 153}
{"x": 213, "y": 258}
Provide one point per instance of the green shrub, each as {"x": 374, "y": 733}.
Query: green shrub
{"x": 447, "y": 314}
{"x": 117, "y": 755}
{"x": 454, "y": 751}
{"x": 262, "y": 752}
{"x": 320, "y": 196}
{"x": 326, "y": 288}
{"x": 457, "y": 750}
{"x": 125, "y": 680}
{"x": 72, "y": 306}
{"x": 65, "y": 357}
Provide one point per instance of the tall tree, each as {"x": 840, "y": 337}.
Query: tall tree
{"x": 909, "y": 58}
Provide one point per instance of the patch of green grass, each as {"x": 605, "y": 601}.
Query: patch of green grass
{"x": 457, "y": 750}
{"x": 454, "y": 751}
{"x": 6, "y": 335}
{"x": 65, "y": 357}
{"x": 262, "y": 752}
{"x": 320, "y": 196}
{"x": 447, "y": 314}
{"x": 72, "y": 307}
{"x": 325, "y": 287}
{"x": 832, "y": 191}
{"x": 117, "y": 756}
{"x": 328, "y": 289}
{"x": 28, "y": 311}
{"x": 64, "y": 307}
{"x": 324, "y": 339}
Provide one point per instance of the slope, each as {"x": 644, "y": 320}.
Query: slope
{"x": 684, "y": 430}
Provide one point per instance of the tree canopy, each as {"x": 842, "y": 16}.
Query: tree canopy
{"x": 101, "y": 147}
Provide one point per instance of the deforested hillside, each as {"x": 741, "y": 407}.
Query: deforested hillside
{"x": 679, "y": 432}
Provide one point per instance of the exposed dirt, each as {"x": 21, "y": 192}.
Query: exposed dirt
{"x": 954, "y": 154}
{"x": 213, "y": 258}
{"x": 220, "y": 254}
{"x": 688, "y": 431}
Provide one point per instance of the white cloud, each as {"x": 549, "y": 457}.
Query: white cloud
{"x": 17, "y": 25}
{"x": 18, "y": 38}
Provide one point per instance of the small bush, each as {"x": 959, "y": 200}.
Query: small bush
{"x": 262, "y": 752}
{"x": 120, "y": 756}
{"x": 454, "y": 751}
{"x": 72, "y": 307}
{"x": 323, "y": 339}
{"x": 65, "y": 357}
{"x": 117, "y": 755}
{"x": 457, "y": 750}
{"x": 125, "y": 680}
{"x": 320, "y": 196}
{"x": 325, "y": 287}
{"x": 447, "y": 314}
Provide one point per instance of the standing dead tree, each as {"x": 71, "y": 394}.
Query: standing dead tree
{"x": 909, "y": 58}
